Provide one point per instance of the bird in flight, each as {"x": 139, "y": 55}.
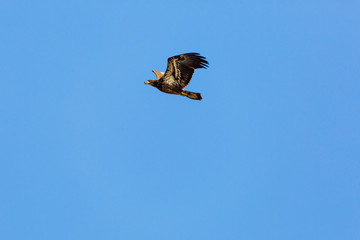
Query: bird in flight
{"x": 178, "y": 74}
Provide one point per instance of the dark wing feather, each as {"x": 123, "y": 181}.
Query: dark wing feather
{"x": 181, "y": 68}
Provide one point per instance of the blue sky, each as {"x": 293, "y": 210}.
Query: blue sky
{"x": 90, "y": 152}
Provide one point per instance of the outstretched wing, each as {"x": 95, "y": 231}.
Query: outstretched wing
{"x": 181, "y": 68}
{"x": 158, "y": 74}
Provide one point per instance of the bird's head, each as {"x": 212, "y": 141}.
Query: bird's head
{"x": 151, "y": 82}
{"x": 158, "y": 76}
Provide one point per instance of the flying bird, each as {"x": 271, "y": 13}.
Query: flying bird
{"x": 178, "y": 74}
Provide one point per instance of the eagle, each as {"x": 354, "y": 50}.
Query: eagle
{"x": 178, "y": 74}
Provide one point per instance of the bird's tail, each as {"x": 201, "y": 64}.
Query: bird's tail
{"x": 192, "y": 95}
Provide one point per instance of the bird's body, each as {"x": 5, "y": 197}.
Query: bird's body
{"x": 178, "y": 75}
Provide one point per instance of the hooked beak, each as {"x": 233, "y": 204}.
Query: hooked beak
{"x": 147, "y": 82}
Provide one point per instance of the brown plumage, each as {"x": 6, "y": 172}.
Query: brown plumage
{"x": 178, "y": 74}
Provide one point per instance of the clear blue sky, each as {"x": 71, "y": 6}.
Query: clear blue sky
{"x": 88, "y": 151}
